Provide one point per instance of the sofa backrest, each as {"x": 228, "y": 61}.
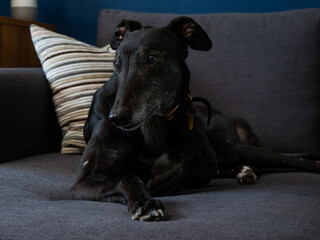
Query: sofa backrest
{"x": 263, "y": 67}
{"x": 28, "y": 123}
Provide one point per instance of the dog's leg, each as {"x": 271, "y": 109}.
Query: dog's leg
{"x": 107, "y": 173}
{"x": 188, "y": 174}
{"x": 236, "y": 145}
{"x": 244, "y": 174}
{"x": 167, "y": 184}
{"x": 264, "y": 158}
{"x": 128, "y": 190}
{"x": 196, "y": 167}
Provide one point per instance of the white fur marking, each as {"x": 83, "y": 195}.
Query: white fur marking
{"x": 85, "y": 163}
{"x": 163, "y": 160}
{"x": 245, "y": 170}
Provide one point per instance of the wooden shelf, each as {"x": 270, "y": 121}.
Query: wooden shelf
{"x": 16, "y": 47}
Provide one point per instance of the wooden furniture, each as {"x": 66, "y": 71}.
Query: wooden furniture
{"x": 16, "y": 47}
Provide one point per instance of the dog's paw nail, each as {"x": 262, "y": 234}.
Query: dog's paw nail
{"x": 160, "y": 211}
{"x": 149, "y": 210}
{"x": 152, "y": 215}
{"x": 137, "y": 214}
{"x": 155, "y": 213}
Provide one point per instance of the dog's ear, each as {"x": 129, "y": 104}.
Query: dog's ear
{"x": 191, "y": 32}
{"x": 121, "y": 29}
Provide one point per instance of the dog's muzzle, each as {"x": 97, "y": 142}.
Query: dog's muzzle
{"x": 120, "y": 116}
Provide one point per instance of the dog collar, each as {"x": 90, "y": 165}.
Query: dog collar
{"x": 190, "y": 112}
{"x": 170, "y": 115}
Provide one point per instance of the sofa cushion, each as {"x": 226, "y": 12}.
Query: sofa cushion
{"x": 75, "y": 70}
{"x": 34, "y": 204}
{"x": 263, "y": 67}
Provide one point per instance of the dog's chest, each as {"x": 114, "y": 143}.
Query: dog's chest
{"x": 162, "y": 164}
{"x": 154, "y": 135}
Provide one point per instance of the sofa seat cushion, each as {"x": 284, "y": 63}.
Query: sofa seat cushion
{"x": 49, "y": 175}
{"x": 35, "y": 202}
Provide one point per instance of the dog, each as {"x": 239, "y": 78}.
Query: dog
{"x": 145, "y": 135}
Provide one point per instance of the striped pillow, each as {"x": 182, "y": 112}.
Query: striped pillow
{"x": 75, "y": 70}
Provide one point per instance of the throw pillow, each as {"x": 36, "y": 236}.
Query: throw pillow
{"x": 75, "y": 70}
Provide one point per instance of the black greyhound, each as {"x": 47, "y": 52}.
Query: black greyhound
{"x": 146, "y": 138}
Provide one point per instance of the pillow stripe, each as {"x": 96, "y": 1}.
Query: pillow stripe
{"x": 75, "y": 92}
{"x": 49, "y": 65}
{"x": 75, "y": 70}
{"x": 72, "y": 116}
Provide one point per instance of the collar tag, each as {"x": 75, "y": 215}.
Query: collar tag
{"x": 190, "y": 122}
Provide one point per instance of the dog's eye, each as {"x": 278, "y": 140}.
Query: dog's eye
{"x": 152, "y": 58}
{"x": 116, "y": 65}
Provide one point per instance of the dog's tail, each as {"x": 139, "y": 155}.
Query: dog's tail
{"x": 264, "y": 158}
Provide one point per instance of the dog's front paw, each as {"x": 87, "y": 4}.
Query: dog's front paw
{"x": 166, "y": 184}
{"x": 148, "y": 210}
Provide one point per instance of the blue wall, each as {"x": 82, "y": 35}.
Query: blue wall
{"x": 78, "y": 18}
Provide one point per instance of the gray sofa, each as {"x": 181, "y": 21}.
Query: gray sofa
{"x": 262, "y": 67}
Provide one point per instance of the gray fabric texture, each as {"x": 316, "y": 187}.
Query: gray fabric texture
{"x": 263, "y": 67}
{"x": 34, "y": 205}
{"x": 28, "y": 124}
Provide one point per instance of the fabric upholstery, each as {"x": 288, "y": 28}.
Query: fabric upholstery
{"x": 75, "y": 70}
{"x": 263, "y": 67}
{"x": 35, "y": 204}
{"x": 28, "y": 124}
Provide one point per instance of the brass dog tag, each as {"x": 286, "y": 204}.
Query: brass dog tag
{"x": 190, "y": 122}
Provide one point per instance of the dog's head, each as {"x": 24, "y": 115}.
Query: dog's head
{"x": 152, "y": 75}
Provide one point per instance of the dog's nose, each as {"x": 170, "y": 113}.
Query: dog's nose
{"x": 120, "y": 117}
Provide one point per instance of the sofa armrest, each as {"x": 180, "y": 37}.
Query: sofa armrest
{"x": 28, "y": 124}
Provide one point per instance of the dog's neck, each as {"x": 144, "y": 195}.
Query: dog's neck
{"x": 186, "y": 103}
{"x": 158, "y": 129}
